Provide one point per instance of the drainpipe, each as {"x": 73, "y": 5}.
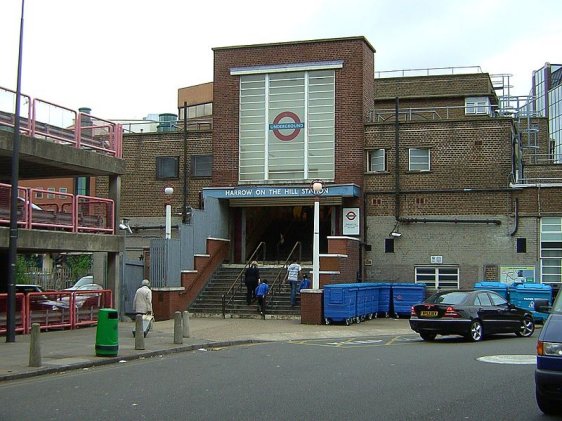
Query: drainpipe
{"x": 516, "y": 227}
{"x": 397, "y": 162}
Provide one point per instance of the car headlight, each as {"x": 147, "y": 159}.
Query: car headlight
{"x": 553, "y": 349}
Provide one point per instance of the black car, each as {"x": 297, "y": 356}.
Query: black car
{"x": 471, "y": 314}
{"x": 548, "y": 374}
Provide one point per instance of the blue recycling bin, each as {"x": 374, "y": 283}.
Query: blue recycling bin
{"x": 499, "y": 288}
{"x": 524, "y": 296}
{"x": 372, "y": 299}
{"x": 384, "y": 298}
{"x": 340, "y": 303}
{"x": 405, "y": 295}
{"x": 362, "y": 306}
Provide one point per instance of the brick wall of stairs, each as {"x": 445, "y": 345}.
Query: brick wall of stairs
{"x": 209, "y": 301}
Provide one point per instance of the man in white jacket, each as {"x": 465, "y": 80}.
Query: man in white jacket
{"x": 142, "y": 303}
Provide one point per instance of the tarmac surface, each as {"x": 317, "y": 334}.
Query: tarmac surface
{"x": 64, "y": 350}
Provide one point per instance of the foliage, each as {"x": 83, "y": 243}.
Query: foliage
{"x": 80, "y": 265}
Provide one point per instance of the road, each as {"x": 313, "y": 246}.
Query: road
{"x": 378, "y": 378}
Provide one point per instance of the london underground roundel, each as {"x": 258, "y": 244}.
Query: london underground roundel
{"x": 289, "y": 122}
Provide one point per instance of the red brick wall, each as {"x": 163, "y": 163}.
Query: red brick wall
{"x": 141, "y": 193}
{"x": 354, "y": 89}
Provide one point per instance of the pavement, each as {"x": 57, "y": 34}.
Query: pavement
{"x": 64, "y": 350}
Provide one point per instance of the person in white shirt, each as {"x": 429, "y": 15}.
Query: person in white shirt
{"x": 142, "y": 303}
{"x": 293, "y": 272}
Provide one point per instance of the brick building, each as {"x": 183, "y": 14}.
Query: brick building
{"x": 429, "y": 175}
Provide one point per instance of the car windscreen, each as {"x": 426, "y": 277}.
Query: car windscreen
{"x": 557, "y": 306}
{"x": 453, "y": 297}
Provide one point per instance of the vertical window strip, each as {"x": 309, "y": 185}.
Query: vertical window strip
{"x": 551, "y": 250}
{"x": 266, "y": 130}
{"x": 306, "y": 128}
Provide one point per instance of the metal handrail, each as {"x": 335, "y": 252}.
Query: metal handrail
{"x": 237, "y": 284}
{"x": 275, "y": 286}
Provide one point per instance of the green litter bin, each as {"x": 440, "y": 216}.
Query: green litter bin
{"x": 107, "y": 334}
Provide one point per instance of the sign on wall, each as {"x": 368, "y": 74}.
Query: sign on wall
{"x": 511, "y": 274}
{"x": 350, "y": 221}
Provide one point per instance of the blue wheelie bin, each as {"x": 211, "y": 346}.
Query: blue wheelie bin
{"x": 372, "y": 299}
{"x": 362, "y": 308}
{"x": 384, "y": 298}
{"x": 524, "y": 296}
{"x": 340, "y": 303}
{"x": 498, "y": 287}
{"x": 405, "y": 295}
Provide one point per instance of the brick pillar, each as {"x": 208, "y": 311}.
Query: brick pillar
{"x": 312, "y": 306}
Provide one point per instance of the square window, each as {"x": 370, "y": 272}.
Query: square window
{"x": 167, "y": 167}
{"x": 477, "y": 105}
{"x": 419, "y": 159}
{"x": 376, "y": 160}
{"x": 50, "y": 195}
{"x": 62, "y": 190}
{"x": 201, "y": 165}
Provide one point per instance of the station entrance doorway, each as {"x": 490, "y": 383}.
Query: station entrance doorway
{"x": 280, "y": 227}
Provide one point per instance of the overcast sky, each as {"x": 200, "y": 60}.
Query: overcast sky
{"x": 128, "y": 58}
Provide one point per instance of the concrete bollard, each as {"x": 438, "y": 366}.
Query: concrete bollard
{"x": 186, "y": 324}
{"x": 35, "y": 346}
{"x": 139, "y": 332}
{"x": 178, "y": 334}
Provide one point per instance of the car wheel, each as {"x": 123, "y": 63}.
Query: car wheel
{"x": 475, "y": 332}
{"x": 527, "y": 327}
{"x": 547, "y": 406}
{"x": 428, "y": 336}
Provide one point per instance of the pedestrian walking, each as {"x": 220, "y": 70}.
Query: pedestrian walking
{"x": 293, "y": 272}
{"x": 142, "y": 303}
{"x": 261, "y": 294}
{"x": 251, "y": 280}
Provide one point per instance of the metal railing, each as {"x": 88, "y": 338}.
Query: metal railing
{"x": 56, "y": 309}
{"x": 228, "y": 296}
{"x": 66, "y": 212}
{"x": 46, "y": 120}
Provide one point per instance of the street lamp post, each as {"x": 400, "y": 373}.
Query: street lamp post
{"x": 317, "y": 191}
{"x": 13, "y": 240}
{"x": 168, "y": 191}
{"x": 126, "y": 228}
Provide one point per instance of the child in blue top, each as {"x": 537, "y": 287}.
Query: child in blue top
{"x": 305, "y": 283}
{"x": 261, "y": 293}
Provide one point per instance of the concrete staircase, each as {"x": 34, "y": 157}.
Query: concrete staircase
{"x": 209, "y": 301}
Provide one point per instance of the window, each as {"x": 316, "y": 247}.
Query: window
{"x": 497, "y": 300}
{"x": 437, "y": 277}
{"x": 477, "y": 105}
{"x": 201, "y": 165}
{"x": 521, "y": 245}
{"x": 39, "y": 194}
{"x": 551, "y": 250}
{"x": 376, "y": 160}
{"x": 167, "y": 167}
{"x": 287, "y": 126}
{"x": 482, "y": 299}
{"x": 62, "y": 190}
{"x": 389, "y": 245}
{"x": 419, "y": 159}
{"x": 50, "y": 195}
{"x": 199, "y": 110}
